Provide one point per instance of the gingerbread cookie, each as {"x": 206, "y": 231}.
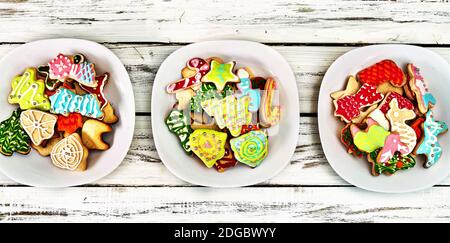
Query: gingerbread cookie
{"x": 38, "y": 125}
{"x": 12, "y": 136}
{"x": 70, "y": 154}
{"x": 269, "y": 114}
{"x": 349, "y": 107}
{"x": 110, "y": 116}
{"x": 251, "y": 148}
{"x": 381, "y": 72}
{"x": 65, "y": 101}
{"x": 229, "y": 112}
{"x": 200, "y": 66}
{"x": 417, "y": 84}
{"x": 91, "y": 134}
{"x": 245, "y": 87}
{"x": 178, "y": 124}
{"x": 379, "y": 115}
{"x": 28, "y": 92}
{"x": 208, "y": 145}
{"x": 46, "y": 148}
{"x": 429, "y": 144}
{"x": 62, "y": 67}
{"x": 351, "y": 88}
{"x": 221, "y": 74}
{"x": 398, "y": 117}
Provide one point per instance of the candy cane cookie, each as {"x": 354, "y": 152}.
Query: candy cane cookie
{"x": 269, "y": 114}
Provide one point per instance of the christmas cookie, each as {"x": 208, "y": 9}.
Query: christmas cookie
{"x": 38, "y": 125}
{"x": 351, "y": 88}
{"x": 347, "y": 140}
{"x": 70, "y": 123}
{"x": 245, "y": 87}
{"x": 63, "y": 67}
{"x": 269, "y": 114}
{"x": 383, "y": 71}
{"x": 65, "y": 101}
{"x": 12, "y": 136}
{"x": 98, "y": 90}
{"x": 397, "y": 118}
{"x": 207, "y": 91}
{"x": 227, "y": 161}
{"x": 178, "y": 124}
{"x": 70, "y": 154}
{"x": 429, "y": 144}
{"x": 221, "y": 74}
{"x": 198, "y": 66}
{"x": 417, "y": 84}
{"x": 28, "y": 92}
{"x": 251, "y": 148}
{"x": 91, "y": 134}
{"x": 396, "y": 163}
{"x": 208, "y": 145}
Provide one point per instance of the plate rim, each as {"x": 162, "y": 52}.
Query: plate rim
{"x": 320, "y": 113}
{"x": 131, "y": 121}
{"x": 232, "y": 184}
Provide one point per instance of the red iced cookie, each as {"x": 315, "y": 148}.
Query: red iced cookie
{"x": 384, "y": 71}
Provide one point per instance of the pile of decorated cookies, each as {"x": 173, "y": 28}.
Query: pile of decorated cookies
{"x": 388, "y": 117}
{"x": 222, "y": 113}
{"x": 62, "y": 112}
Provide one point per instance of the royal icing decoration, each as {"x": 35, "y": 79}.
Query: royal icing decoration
{"x": 68, "y": 153}
{"x": 229, "y": 112}
{"x": 62, "y": 67}
{"x": 372, "y": 139}
{"x": 347, "y": 140}
{"x": 398, "y": 118}
{"x": 28, "y": 92}
{"x": 12, "y": 136}
{"x": 418, "y": 86}
{"x": 249, "y": 127}
{"x": 208, "y": 145}
{"x": 227, "y": 161}
{"x": 349, "y": 107}
{"x": 65, "y": 101}
{"x": 70, "y": 123}
{"x": 39, "y": 125}
{"x": 251, "y": 148}
{"x": 396, "y": 163}
{"x": 245, "y": 87}
{"x": 50, "y": 84}
{"x": 200, "y": 66}
{"x": 392, "y": 144}
{"x": 384, "y": 71}
{"x": 269, "y": 114}
{"x": 220, "y": 74}
{"x": 178, "y": 124}
{"x": 206, "y": 92}
{"x": 378, "y": 116}
{"x": 98, "y": 90}
{"x": 429, "y": 145}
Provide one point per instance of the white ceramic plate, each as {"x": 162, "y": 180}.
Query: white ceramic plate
{"x": 35, "y": 170}
{"x": 265, "y": 62}
{"x": 436, "y": 72}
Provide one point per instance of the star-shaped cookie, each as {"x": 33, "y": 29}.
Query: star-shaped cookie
{"x": 220, "y": 74}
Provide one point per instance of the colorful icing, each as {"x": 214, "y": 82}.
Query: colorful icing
{"x": 392, "y": 144}
{"x": 178, "y": 124}
{"x": 98, "y": 90}
{"x": 403, "y": 103}
{"x": 370, "y": 140}
{"x": 70, "y": 123}
{"x": 249, "y": 127}
{"x": 398, "y": 118}
{"x": 50, "y": 84}
{"x": 430, "y": 145}
{"x": 38, "y": 125}
{"x": 251, "y": 148}
{"x": 62, "y": 67}
{"x": 65, "y": 101}
{"x": 396, "y": 163}
{"x": 227, "y": 161}
{"x": 28, "y": 92}
{"x": 68, "y": 153}
{"x": 229, "y": 112}
{"x": 269, "y": 114}
{"x": 378, "y": 116}
{"x": 349, "y": 107}
{"x": 208, "y": 91}
{"x": 208, "y": 145}
{"x": 12, "y": 136}
{"x": 220, "y": 74}
{"x": 200, "y": 66}
{"x": 347, "y": 140}
{"x": 383, "y": 71}
{"x": 417, "y": 126}
{"x": 245, "y": 87}
{"x": 418, "y": 86}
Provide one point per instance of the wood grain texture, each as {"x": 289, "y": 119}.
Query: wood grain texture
{"x": 295, "y": 204}
{"x": 309, "y": 64}
{"x": 274, "y": 21}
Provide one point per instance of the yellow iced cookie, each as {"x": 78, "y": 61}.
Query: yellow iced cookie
{"x": 28, "y": 92}
{"x": 208, "y": 145}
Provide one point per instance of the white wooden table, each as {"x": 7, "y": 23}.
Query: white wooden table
{"x": 309, "y": 34}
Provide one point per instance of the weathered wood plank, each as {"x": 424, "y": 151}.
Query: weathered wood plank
{"x": 274, "y": 21}
{"x": 296, "y": 204}
{"x": 309, "y": 64}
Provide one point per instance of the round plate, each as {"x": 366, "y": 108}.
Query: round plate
{"x": 35, "y": 170}
{"x": 265, "y": 62}
{"x": 436, "y": 72}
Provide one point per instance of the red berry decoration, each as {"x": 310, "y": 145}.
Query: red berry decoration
{"x": 384, "y": 71}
